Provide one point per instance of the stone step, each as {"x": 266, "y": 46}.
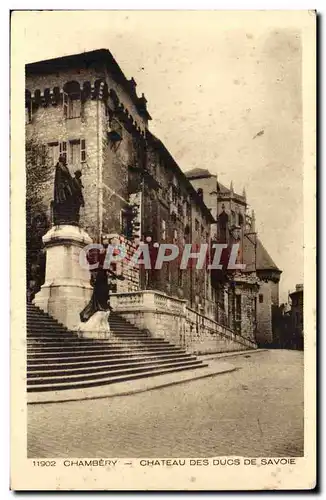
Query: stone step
{"x": 98, "y": 347}
{"x": 108, "y": 380}
{"x": 105, "y": 347}
{"x": 88, "y": 355}
{"x": 58, "y": 359}
{"x": 63, "y": 342}
{"x": 60, "y": 364}
{"x": 46, "y": 384}
{"x": 108, "y": 368}
{"x": 46, "y": 323}
{"x": 98, "y": 357}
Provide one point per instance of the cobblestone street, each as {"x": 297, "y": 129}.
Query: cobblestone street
{"x": 254, "y": 411}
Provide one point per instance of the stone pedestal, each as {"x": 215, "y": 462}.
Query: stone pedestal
{"x": 67, "y": 287}
{"x": 97, "y": 327}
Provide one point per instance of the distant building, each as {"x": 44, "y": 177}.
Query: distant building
{"x": 253, "y": 293}
{"x": 296, "y": 314}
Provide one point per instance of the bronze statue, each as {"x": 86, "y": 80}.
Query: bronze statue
{"x": 101, "y": 283}
{"x": 78, "y": 198}
{"x": 68, "y": 195}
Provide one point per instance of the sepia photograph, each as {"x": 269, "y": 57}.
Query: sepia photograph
{"x": 164, "y": 198}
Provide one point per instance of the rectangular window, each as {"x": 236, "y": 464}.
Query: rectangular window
{"x": 77, "y": 152}
{"x": 168, "y": 272}
{"x": 163, "y": 227}
{"x": 74, "y": 152}
{"x": 71, "y": 105}
{"x": 180, "y": 278}
{"x": 207, "y": 281}
{"x": 238, "y": 308}
{"x": 65, "y": 104}
{"x": 123, "y": 222}
{"x": 28, "y": 113}
{"x": 54, "y": 152}
{"x": 261, "y": 298}
{"x": 82, "y": 151}
{"x": 74, "y": 108}
{"x": 63, "y": 150}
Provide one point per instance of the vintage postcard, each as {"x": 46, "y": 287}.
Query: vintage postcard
{"x": 163, "y": 217}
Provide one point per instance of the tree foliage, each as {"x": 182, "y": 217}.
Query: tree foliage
{"x": 38, "y": 172}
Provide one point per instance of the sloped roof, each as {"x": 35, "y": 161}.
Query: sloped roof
{"x": 157, "y": 143}
{"x": 222, "y": 188}
{"x": 197, "y": 173}
{"x": 264, "y": 260}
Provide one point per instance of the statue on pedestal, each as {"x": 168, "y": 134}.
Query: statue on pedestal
{"x": 68, "y": 195}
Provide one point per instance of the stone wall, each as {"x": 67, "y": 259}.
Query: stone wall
{"x": 49, "y": 128}
{"x": 203, "y": 335}
{"x": 264, "y": 314}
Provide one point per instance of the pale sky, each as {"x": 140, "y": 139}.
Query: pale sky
{"x": 213, "y": 80}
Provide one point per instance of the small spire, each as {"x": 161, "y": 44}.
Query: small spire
{"x": 231, "y": 186}
{"x": 244, "y": 194}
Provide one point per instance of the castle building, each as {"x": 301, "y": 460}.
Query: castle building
{"x": 84, "y": 108}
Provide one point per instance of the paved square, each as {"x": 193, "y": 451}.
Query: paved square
{"x": 254, "y": 411}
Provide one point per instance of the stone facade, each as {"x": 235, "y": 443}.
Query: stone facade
{"x": 245, "y": 300}
{"x": 85, "y": 108}
{"x": 74, "y": 107}
{"x": 169, "y": 317}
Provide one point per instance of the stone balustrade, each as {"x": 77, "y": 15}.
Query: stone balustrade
{"x": 205, "y": 335}
{"x": 170, "y": 318}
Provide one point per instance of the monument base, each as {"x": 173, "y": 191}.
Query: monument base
{"x": 67, "y": 287}
{"x": 97, "y": 327}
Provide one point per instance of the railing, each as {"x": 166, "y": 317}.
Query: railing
{"x": 192, "y": 326}
{"x": 148, "y": 299}
{"x": 214, "y": 328}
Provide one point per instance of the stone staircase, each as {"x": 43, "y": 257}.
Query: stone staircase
{"x": 57, "y": 359}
